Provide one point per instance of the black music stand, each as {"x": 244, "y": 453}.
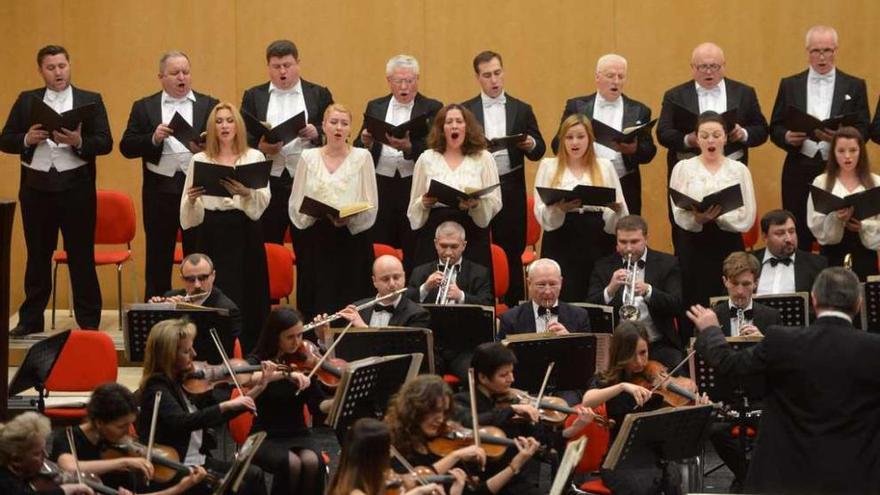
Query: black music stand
{"x": 574, "y": 355}
{"x": 360, "y": 343}
{"x": 231, "y": 482}
{"x": 140, "y": 318}
{"x": 461, "y": 326}
{"x": 366, "y": 387}
{"x": 794, "y": 307}
{"x": 871, "y": 305}
{"x": 37, "y": 366}
{"x": 602, "y": 317}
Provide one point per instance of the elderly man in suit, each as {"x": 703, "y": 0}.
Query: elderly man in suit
{"x": 784, "y": 267}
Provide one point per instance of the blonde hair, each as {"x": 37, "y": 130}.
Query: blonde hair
{"x": 562, "y": 158}
{"x": 336, "y": 107}
{"x": 212, "y": 142}
{"x": 160, "y": 353}
{"x": 20, "y": 434}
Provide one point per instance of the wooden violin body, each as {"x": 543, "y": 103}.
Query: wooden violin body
{"x": 307, "y": 356}
{"x": 675, "y": 392}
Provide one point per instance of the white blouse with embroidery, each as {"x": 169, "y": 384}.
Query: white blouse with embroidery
{"x": 829, "y": 229}
{"x": 690, "y": 177}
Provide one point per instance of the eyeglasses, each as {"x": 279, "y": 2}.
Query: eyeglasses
{"x": 192, "y": 278}
{"x": 399, "y": 82}
{"x": 822, "y": 52}
{"x": 709, "y": 68}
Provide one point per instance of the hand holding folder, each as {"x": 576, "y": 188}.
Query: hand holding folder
{"x": 52, "y": 121}
{"x": 284, "y": 132}
{"x": 686, "y": 121}
{"x": 608, "y": 136}
{"x": 210, "y": 176}
{"x": 797, "y": 120}
{"x": 728, "y": 199}
{"x": 866, "y": 204}
{"x": 319, "y": 209}
{"x": 380, "y": 130}
{"x": 451, "y": 196}
{"x": 500, "y": 143}
{"x": 184, "y": 132}
{"x": 589, "y": 195}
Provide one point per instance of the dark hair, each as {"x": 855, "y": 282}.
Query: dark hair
{"x": 281, "y": 48}
{"x": 50, "y": 50}
{"x": 632, "y": 222}
{"x": 489, "y": 356}
{"x": 711, "y": 116}
{"x": 739, "y": 262}
{"x": 110, "y": 402}
{"x": 474, "y": 141}
{"x": 415, "y": 400}
{"x": 364, "y": 459}
{"x": 279, "y": 320}
{"x": 623, "y": 348}
{"x": 486, "y": 56}
{"x": 837, "y": 288}
{"x": 863, "y": 167}
{"x": 775, "y": 217}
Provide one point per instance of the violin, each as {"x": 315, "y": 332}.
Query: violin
{"x": 675, "y": 392}
{"x": 166, "y": 463}
{"x": 307, "y": 356}
{"x": 205, "y": 377}
{"x": 398, "y": 484}
{"x": 453, "y": 436}
{"x": 552, "y": 410}
{"x": 51, "y": 477}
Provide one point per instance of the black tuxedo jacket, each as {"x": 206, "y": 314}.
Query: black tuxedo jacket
{"x": 406, "y": 314}
{"x": 520, "y": 119}
{"x": 96, "y": 140}
{"x": 422, "y": 105}
{"x": 217, "y": 299}
{"x": 875, "y": 124}
{"x": 137, "y": 140}
{"x": 806, "y": 268}
{"x": 763, "y": 316}
{"x": 662, "y": 271}
{"x": 634, "y": 113}
{"x": 819, "y": 428}
{"x": 255, "y": 101}
{"x": 473, "y": 279}
{"x": 739, "y": 96}
{"x": 521, "y": 319}
{"x": 850, "y": 96}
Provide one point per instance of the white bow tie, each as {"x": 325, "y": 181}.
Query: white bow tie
{"x": 175, "y": 101}
{"x": 53, "y": 96}
{"x": 488, "y": 102}
{"x": 716, "y": 91}
{"x": 607, "y": 104}
{"x": 285, "y": 92}
{"x": 396, "y": 105}
{"x": 822, "y": 78}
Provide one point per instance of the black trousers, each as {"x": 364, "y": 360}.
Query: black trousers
{"x": 392, "y": 225}
{"x": 276, "y": 217}
{"x": 161, "y": 222}
{"x": 798, "y": 173}
{"x": 631, "y": 185}
{"x": 43, "y": 213}
{"x": 509, "y": 231}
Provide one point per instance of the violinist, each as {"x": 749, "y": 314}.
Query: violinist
{"x": 22, "y": 455}
{"x": 421, "y": 412}
{"x": 111, "y": 412}
{"x": 184, "y": 421}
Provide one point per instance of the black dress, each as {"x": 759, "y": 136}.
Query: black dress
{"x": 87, "y": 451}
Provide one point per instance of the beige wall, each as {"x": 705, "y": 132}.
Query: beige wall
{"x": 549, "y": 49}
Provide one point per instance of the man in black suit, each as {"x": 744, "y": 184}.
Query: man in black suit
{"x": 57, "y": 190}
{"x": 503, "y": 115}
{"x": 544, "y": 312}
{"x": 739, "y": 314}
{"x": 823, "y": 91}
{"x": 784, "y": 267}
{"x": 164, "y": 163}
{"x": 610, "y": 106}
{"x": 823, "y": 391}
{"x": 657, "y": 287}
{"x": 469, "y": 282}
{"x": 283, "y": 97}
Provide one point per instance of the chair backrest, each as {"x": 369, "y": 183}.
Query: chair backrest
{"x": 279, "y": 261}
{"x": 500, "y": 271}
{"x": 750, "y": 238}
{"x": 533, "y": 228}
{"x": 240, "y": 426}
{"x": 88, "y": 359}
{"x": 598, "y": 439}
{"x": 115, "y": 222}
{"x": 383, "y": 249}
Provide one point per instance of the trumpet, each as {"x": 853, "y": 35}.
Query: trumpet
{"x": 443, "y": 289}
{"x": 740, "y": 320}
{"x": 337, "y": 315}
{"x": 629, "y": 310}
{"x": 848, "y": 261}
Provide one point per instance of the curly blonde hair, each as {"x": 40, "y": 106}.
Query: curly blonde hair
{"x": 416, "y": 399}
{"x": 20, "y": 434}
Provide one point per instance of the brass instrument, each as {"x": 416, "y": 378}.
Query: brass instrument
{"x": 740, "y": 320}
{"x": 337, "y": 315}
{"x": 628, "y": 310}
{"x": 443, "y": 290}
{"x": 847, "y": 261}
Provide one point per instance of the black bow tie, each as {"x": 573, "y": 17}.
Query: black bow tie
{"x": 747, "y": 313}
{"x": 640, "y": 263}
{"x": 381, "y": 307}
{"x": 775, "y": 261}
{"x": 543, "y": 311}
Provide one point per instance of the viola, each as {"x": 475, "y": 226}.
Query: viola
{"x": 453, "y": 436}
{"x": 166, "y": 463}
{"x": 397, "y": 483}
{"x": 307, "y": 356}
{"x": 675, "y": 392}
{"x": 51, "y": 476}
{"x": 205, "y": 377}
{"x": 553, "y": 410}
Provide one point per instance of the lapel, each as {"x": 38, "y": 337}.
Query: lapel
{"x": 476, "y": 107}
{"x": 310, "y": 98}
{"x": 800, "y": 269}
{"x": 722, "y": 310}
{"x": 630, "y": 113}
{"x": 398, "y": 317}
{"x": 75, "y": 94}
{"x": 841, "y": 86}
{"x": 588, "y": 103}
{"x": 689, "y": 97}
{"x": 527, "y": 319}
{"x": 261, "y": 99}
{"x": 154, "y": 109}
{"x": 761, "y": 316}
{"x": 511, "y": 108}
{"x": 380, "y": 110}
{"x": 800, "y": 91}
{"x": 733, "y": 94}
{"x": 650, "y": 267}
{"x": 367, "y": 315}
{"x": 200, "y": 112}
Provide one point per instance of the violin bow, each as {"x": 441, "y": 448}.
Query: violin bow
{"x": 327, "y": 353}
{"x": 406, "y": 465}
{"x": 544, "y": 386}
{"x": 152, "y": 438}
{"x": 225, "y": 358}
{"x": 673, "y": 370}
{"x": 475, "y": 422}
{"x": 72, "y": 444}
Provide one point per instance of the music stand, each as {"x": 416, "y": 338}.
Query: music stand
{"x": 794, "y": 307}
{"x": 360, "y": 343}
{"x": 574, "y": 355}
{"x": 737, "y": 391}
{"x": 366, "y": 387}
{"x": 871, "y": 305}
{"x": 461, "y": 326}
{"x": 240, "y": 464}
{"x": 573, "y": 453}
{"x": 37, "y": 366}
{"x": 602, "y": 317}
{"x": 140, "y": 318}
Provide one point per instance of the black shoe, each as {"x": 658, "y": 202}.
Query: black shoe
{"x": 736, "y": 486}
{"x": 21, "y": 331}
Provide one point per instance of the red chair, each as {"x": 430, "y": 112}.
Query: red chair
{"x": 533, "y": 236}
{"x": 88, "y": 359}
{"x": 501, "y": 277}
{"x": 178, "y": 248}
{"x": 383, "y": 249}
{"x": 279, "y": 261}
{"x": 598, "y": 439}
{"x": 750, "y": 238}
{"x": 114, "y": 224}
{"x": 240, "y": 426}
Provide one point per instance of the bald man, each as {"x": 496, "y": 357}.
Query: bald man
{"x": 610, "y": 106}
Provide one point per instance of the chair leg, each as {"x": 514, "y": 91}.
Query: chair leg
{"x": 54, "y": 292}
{"x": 119, "y": 292}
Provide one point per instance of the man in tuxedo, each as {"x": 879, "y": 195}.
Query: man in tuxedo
{"x": 784, "y": 267}
{"x": 469, "y": 282}
{"x": 395, "y": 161}
{"x": 822, "y": 91}
{"x": 544, "y": 312}
{"x": 740, "y": 315}
{"x": 610, "y": 106}
{"x": 165, "y": 159}
{"x": 823, "y": 390}
{"x": 503, "y": 115}
{"x": 657, "y": 292}
{"x": 274, "y": 102}
{"x": 57, "y": 190}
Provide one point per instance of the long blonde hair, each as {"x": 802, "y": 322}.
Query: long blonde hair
{"x": 563, "y": 159}
{"x": 160, "y": 353}
{"x": 212, "y": 141}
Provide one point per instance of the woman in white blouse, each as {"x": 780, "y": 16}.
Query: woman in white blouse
{"x": 229, "y": 228}
{"x": 575, "y": 235}
{"x": 334, "y": 256}
{"x": 708, "y": 237}
{"x": 456, "y": 157}
{"x": 839, "y": 233}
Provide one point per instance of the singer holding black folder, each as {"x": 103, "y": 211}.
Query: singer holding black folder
{"x": 708, "y": 236}
{"x": 229, "y": 227}
{"x": 575, "y": 236}
{"x": 839, "y": 232}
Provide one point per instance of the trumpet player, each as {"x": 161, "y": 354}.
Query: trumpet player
{"x": 655, "y": 291}
{"x": 740, "y": 314}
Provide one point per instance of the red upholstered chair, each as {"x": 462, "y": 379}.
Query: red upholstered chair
{"x": 533, "y": 236}
{"x": 382, "y": 249}
{"x": 501, "y": 277}
{"x": 279, "y": 261}
{"x": 751, "y": 237}
{"x": 598, "y": 439}
{"x": 240, "y": 426}
{"x": 115, "y": 224}
{"x": 178, "y": 248}
{"x": 88, "y": 359}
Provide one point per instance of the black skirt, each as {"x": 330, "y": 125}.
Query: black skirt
{"x": 576, "y": 245}
{"x": 477, "y": 238}
{"x": 701, "y": 256}
{"x": 864, "y": 260}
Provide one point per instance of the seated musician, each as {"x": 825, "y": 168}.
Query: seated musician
{"x": 544, "y": 312}
{"x": 184, "y": 420}
{"x": 421, "y": 412}
{"x": 740, "y": 315}
{"x": 784, "y": 267}
{"x": 468, "y": 282}
{"x": 22, "y": 456}
{"x": 111, "y": 411}
{"x": 658, "y": 295}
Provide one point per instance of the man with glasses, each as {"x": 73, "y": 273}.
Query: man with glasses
{"x": 822, "y": 91}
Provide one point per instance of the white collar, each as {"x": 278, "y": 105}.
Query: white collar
{"x": 602, "y": 101}
{"x": 832, "y": 74}
{"x": 835, "y": 314}
{"x": 168, "y": 98}
{"x": 718, "y": 87}
{"x": 488, "y": 100}
{"x": 62, "y": 95}
{"x": 297, "y": 88}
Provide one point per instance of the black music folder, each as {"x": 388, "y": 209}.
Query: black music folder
{"x": 319, "y": 209}
{"x": 799, "y": 121}
{"x": 52, "y": 121}
{"x": 607, "y": 135}
{"x": 865, "y": 204}
{"x": 499, "y": 143}
{"x": 184, "y": 132}
{"x": 416, "y": 127}
{"x": 284, "y": 132}
{"x": 589, "y": 195}
{"x": 252, "y": 175}
{"x": 450, "y": 196}
{"x": 729, "y": 199}
{"x": 686, "y": 121}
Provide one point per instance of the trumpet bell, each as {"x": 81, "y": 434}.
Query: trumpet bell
{"x": 629, "y": 312}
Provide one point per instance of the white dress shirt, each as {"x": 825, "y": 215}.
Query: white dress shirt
{"x": 734, "y": 319}
{"x": 382, "y": 318}
{"x": 641, "y": 302}
{"x": 194, "y": 456}
{"x": 820, "y": 93}
{"x": 284, "y": 104}
{"x": 610, "y": 113}
{"x": 777, "y": 279}
{"x": 49, "y": 154}
{"x": 391, "y": 160}
{"x": 495, "y": 126}
{"x": 175, "y": 155}
{"x": 542, "y": 322}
